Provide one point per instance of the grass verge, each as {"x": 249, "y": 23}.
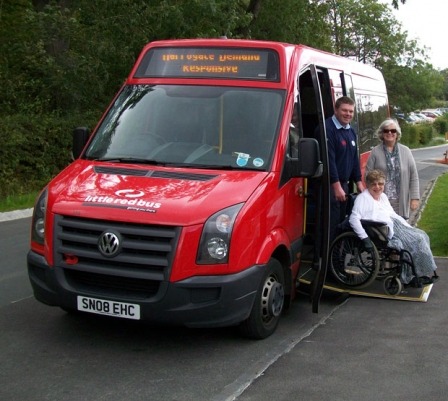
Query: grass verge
{"x": 434, "y": 218}
{"x": 18, "y": 202}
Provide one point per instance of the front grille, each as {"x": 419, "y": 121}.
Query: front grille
{"x": 143, "y": 262}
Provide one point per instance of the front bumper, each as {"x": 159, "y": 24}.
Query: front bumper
{"x": 202, "y": 301}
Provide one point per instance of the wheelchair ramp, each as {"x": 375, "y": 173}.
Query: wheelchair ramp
{"x": 375, "y": 290}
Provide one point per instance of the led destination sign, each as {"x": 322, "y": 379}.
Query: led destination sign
{"x": 260, "y": 64}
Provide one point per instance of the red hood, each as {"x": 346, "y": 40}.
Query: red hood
{"x": 148, "y": 194}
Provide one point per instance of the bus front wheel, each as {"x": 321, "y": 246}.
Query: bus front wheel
{"x": 268, "y": 305}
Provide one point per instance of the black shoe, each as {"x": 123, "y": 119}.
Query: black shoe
{"x": 415, "y": 283}
{"x": 425, "y": 280}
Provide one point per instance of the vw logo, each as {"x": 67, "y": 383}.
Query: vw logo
{"x": 109, "y": 244}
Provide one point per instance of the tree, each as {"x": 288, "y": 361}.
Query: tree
{"x": 412, "y": 88}
{"x": 364, "y": 30}
{"x": 395, "y": 3}
{"x": 292, "y": 21}
{"x": 444, "y": 74}
{"x": 62, "y": 61}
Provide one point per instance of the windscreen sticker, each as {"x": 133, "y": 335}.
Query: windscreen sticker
{"x": 258, "y": 162}
{"x": 242, "y": 159}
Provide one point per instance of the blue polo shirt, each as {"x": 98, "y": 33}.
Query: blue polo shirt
{"x": 342, "y": 152}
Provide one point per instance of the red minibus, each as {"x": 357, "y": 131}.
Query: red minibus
{"x": 190, "y": 203}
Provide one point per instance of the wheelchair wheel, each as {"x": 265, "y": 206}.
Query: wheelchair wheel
{"x": 350, "y": 265}
{"x": 392, "y": 285}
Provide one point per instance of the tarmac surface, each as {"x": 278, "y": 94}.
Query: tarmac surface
{"x": 367, "y": 349}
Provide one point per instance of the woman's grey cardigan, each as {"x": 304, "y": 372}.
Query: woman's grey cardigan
{"x": 409, "y": 184}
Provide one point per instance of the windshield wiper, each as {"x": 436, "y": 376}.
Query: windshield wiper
{"x": 137, "y": 160}
{"x": 130, "y": 160}
{"x": 220, "y": 167}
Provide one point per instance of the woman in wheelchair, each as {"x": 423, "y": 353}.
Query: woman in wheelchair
{"x": 378, "y": 244}
{"x": 373, "y": 205}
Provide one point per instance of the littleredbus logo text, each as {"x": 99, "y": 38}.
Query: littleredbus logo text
{"x": 108, "y": 200}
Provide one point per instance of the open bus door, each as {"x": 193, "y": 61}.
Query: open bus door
{"x": 314, "y": 125}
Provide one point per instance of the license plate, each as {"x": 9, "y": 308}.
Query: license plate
{"x": 109, "y": 308}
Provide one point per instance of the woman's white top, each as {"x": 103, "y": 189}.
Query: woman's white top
{"x": 367, "y": 208}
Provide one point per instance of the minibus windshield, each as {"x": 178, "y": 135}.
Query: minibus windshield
{"x": 191, "y": 126}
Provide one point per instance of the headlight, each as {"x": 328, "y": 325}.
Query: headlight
{"x": 38, "y": 224}
{"x": 215, "y": 239}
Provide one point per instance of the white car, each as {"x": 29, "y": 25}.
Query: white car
{"x": 423, "y": 118}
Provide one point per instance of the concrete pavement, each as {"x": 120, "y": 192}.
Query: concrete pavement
{"x": 16, "y": 214}
{"x": 369, "y": 349}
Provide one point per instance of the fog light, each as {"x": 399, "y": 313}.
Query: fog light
{"x": 217, "y": 248}
{"x": 39, "y": 227}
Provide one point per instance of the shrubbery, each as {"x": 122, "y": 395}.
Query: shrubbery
{"x": 34, "y": 149}
{"x": 441, "y": 125}
{"x": 419, "y": 135}
{"x": 59, "y": 59}
{"x": 409, "y": 135}
{"x": 425, "y": 134}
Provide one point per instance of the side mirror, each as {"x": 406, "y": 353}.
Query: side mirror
{"x": 80, "y": 138}
{"x": 308, "y": 163}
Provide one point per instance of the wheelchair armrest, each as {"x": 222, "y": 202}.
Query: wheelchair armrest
{"x": 377, "y": 231}
{"x": 371, "y": 223}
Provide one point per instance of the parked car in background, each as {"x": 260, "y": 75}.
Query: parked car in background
{"x": 406, "y": 118}
{"x": 423, "y": 118}
{"x": 442, "y": 110}
{"x": 431, "y": 113}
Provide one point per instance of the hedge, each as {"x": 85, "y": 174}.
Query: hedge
{"x": 34, "y": 149}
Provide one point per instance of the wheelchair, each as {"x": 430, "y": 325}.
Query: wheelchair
{"x": 355, "y": 267}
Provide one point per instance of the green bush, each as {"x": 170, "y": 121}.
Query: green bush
{"x": 425, "y": 133}
{"x": 416, "y": 135}
{"x": 34, "y": 149}
{"x": 441, "y": 125}
{"x": 409, "y": 135}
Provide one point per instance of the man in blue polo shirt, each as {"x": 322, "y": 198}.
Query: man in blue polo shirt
{"x": 343, "y": 159}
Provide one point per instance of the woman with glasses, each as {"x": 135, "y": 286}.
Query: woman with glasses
{"x": 398, "y": 164}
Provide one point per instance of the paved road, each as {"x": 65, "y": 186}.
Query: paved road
{"x": 354, "y": 349}
{"x": 428, "y": 168}
{"x": 49, "y": 355}
{"x": 14, "y": 241}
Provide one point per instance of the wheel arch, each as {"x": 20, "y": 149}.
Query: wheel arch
{"x": 282, "y": 254}
{"x": 278, "y": 246}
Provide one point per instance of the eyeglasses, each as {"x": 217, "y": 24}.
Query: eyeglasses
{"x": 392, "y": 131}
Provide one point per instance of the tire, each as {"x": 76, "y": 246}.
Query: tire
{"x": 392, "y": 285}
{"x": 346, "y": 255}
{"x": 268, "y": 305}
